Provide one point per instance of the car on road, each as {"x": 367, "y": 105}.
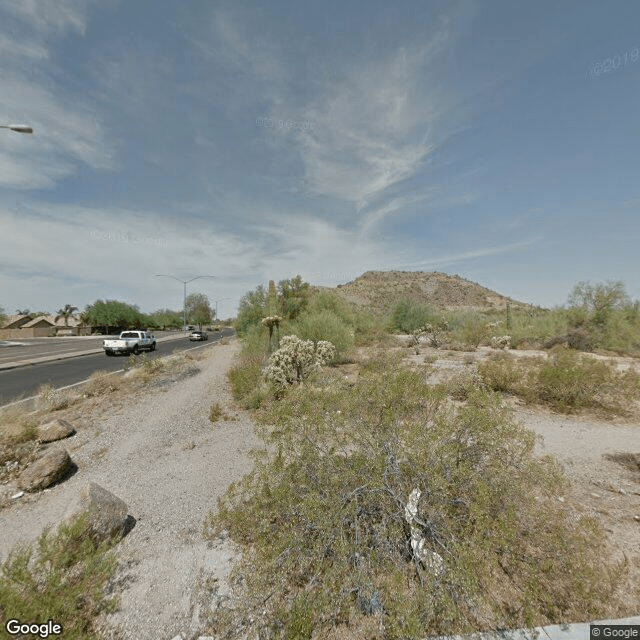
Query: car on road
{"x": 198, "y": 335}
{"x": 129, "y": 342}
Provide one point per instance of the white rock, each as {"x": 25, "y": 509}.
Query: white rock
{"x": 17, "y": 495}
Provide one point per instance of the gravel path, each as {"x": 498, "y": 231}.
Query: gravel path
{"x": 169, "y": 463}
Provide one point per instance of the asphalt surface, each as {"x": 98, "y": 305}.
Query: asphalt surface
{"x": 59, "y": 362}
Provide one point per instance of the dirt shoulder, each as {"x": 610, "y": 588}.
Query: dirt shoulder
{"x": 161, "y": 454}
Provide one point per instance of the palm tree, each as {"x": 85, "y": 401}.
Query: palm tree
{"x": 65, "y": 313}
{"x": 23, "y": 312}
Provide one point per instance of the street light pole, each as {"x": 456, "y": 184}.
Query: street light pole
{"x": 219, "y": 300}
{"x": 184, "y": 282}
{"x": 19, "y": 128}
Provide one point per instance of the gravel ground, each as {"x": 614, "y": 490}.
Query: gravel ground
{"x": 169, "y": 463}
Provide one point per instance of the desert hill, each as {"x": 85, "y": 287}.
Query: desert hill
{"x": 380, "y": 291}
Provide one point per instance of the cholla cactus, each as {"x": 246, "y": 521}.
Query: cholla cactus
{"x": 427, "y": 333}
{"x": 296, "y": 359}
{"x": 502, "y": 342}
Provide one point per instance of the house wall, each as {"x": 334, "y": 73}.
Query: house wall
{"x": 42, "y": 332}
{"x": 34, "y": 332}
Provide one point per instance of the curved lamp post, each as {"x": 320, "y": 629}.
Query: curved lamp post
{"x": 184, "y": 282}
{"x": 20, "y": 128}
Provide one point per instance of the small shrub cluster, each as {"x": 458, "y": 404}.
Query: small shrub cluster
{"x": 565, "y": 380}
{"x": 63, "y": 581}
{"x": 102, "y": 383}
{"x": 52, "y": 399}
{"x": 325, "y": 325}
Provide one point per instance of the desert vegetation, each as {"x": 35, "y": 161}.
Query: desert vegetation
{"x": 65, "y": 578}
{"x": 329, "y": 547}
{"x": 565, "y": 380}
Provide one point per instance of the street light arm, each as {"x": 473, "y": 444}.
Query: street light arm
{"x": 166, "y": 275}
{"x": 20, "y": 128}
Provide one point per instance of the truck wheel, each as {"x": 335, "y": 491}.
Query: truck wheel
{"x": 109, "y": 353}
{"x": 136, "y": 350}
{"x": 153, "y": 347}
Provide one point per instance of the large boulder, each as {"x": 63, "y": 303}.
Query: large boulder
{"x": 55, "y": 430}
{"x": 45, "y": 471}
{"x": 108, "y": 515}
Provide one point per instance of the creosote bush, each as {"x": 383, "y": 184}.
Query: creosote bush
{"x": 63, "y": 581}
{"x": 326, "y": 542}
{"x": 565, "y": 380}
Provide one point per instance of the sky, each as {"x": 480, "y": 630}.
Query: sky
{"x": 250, "y": 141}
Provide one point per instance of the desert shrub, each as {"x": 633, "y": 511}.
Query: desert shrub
{"x": 63, "y": 581}
{"x": 325, "y": 325}
{"x": 251, "y": 309}
{"x": 408, "y": 315}
{"x": 328, "y": 301}
{"x": 461, "y": 386}
{"x": 245, "y": 375}
{"x": 322, "y": 518}
{"x": 566, "y": 381}
{"x": 501, "y": 342}
{"x": 370, "y": 330}
{"x": 474, "y": 331}
{"x": 579, "y": 339}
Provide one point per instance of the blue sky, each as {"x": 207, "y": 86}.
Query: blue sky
{"x": 496, "y": 140}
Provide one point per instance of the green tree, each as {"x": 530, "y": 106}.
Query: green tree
{"x": 198, "y": 309}
{"x": 251, "y": 309}
{"x": 66, "y": 312}
{"x": 293, "y": 297}
{"x": 112, "y": 313}
{"x": 166, "y": 319}
{"x": 3, "y": 317}
{"x": 597, "y": 301}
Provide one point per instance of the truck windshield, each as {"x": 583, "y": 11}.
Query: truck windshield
{"x": 129, "y": 334}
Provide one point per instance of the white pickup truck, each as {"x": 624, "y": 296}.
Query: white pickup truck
{"x": 130, "y": 342}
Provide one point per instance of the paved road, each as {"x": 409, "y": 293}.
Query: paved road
{"x": 27, "y": 348}
{"x": 24, "y": 381}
